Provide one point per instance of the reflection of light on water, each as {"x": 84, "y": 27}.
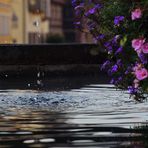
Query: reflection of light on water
{"x": 47, "y": 140}
{"x": 82, "y": 141}
{"x": 23, "y": 133}
{"x": 102, "y": 117}
{"x": 29, "y": 141}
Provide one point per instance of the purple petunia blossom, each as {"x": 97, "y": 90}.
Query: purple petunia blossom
{"x": 143, "y": 58}
{"x": 119, "y": 62}
{"x": 105, "y": 64}
{"x": 114, "y": 68}
{"x": 119, "y": 50}
{"x": 128, "y": 70}
{"x": 100, "y": 37}
{"x": 132, "y": 90}
{"x": 118, "y": 20}
{"x": 108, "y": 46}
{"x": 93, "y": 10}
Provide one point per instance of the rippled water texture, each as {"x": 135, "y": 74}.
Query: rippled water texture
{"x": 91, "y": 116}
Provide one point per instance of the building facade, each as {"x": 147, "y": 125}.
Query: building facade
{"x": 62, "y": 22}
{"x": 17, "y": 22}
{"x": 37, "y": 20}
{"x": 5, "y": 21}
{"x": 56, "y": 19}
{"x": 24, "y": 21}
{"x": 33, "y": 21}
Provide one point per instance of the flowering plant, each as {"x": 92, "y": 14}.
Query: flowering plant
{"x": 121, "y": 28}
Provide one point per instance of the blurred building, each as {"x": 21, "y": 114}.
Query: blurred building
{"x": 28, "y": 19}
{"x": 56, "y": 19}
{"x": 17, "y": 22}
{"x": 37, "y": 20}
{"x": 33, "y": 21}
{"x": 62, "y": 22}
{"x": 5, "y": 21}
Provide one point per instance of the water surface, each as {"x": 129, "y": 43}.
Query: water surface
{"x": 93, "y": 115}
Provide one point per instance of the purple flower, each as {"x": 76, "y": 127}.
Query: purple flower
{"x": 120, "y": 79}
{"x": 79, "y": 10}
{"x": 76, "y": 2}
{"x": 105, "y": 64}
{"x": 143, "y": 58}
{"x": 114, "y": 68}
{"x": 108, "y": 46}
{"x": 128, "y": 70}
{"x": 119, "y": 50}
{"x": 78, "y": 25}
{"x": 118, "y": 20}
{"x": 93, "y": 10}
{"x": 115, "y": 39}
{"x": 119, "y": 62}
{"x": 132, "y": 90}
{"x": 98, "y": 6}
{"x": 90, "y": 12}
{"x": 100, "y": 37}
{"x": 112, "y": 81}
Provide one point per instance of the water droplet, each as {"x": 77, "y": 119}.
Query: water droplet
{"x": 38, "y": 82}
{"x": 38, "y": 74}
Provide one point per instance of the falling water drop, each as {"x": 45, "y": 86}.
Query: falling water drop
{"x": 38, "y": 74}
{"x": 39, "y": 82}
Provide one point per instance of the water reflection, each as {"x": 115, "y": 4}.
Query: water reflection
{"x": 91, "y": 116}
{"x": 32, "y": 128}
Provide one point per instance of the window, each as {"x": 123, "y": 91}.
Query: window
{"x": 4, "y": 25}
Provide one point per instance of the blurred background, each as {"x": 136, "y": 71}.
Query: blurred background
{"x": 39, "y": 21}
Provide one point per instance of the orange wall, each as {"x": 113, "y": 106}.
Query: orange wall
{"x": 5, "y": 39}
{"x": 5, "y": 1}
{"x": 6, "y": 11}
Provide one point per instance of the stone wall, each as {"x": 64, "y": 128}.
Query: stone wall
{"x": 27, "y": 59}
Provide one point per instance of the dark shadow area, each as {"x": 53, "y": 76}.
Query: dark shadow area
{"x": 57, "y": 82}
{"x": 51, "y": 54}
{"x": 50, "y": 129}
{"x": 50, "y": 66}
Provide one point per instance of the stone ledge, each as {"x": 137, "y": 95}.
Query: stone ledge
{"x": 51, "y": 54}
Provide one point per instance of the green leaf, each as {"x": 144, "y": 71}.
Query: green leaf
{"x": 123, "y": 41}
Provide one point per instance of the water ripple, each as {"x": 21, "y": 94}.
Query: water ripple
{"x": 93, "y": 116}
